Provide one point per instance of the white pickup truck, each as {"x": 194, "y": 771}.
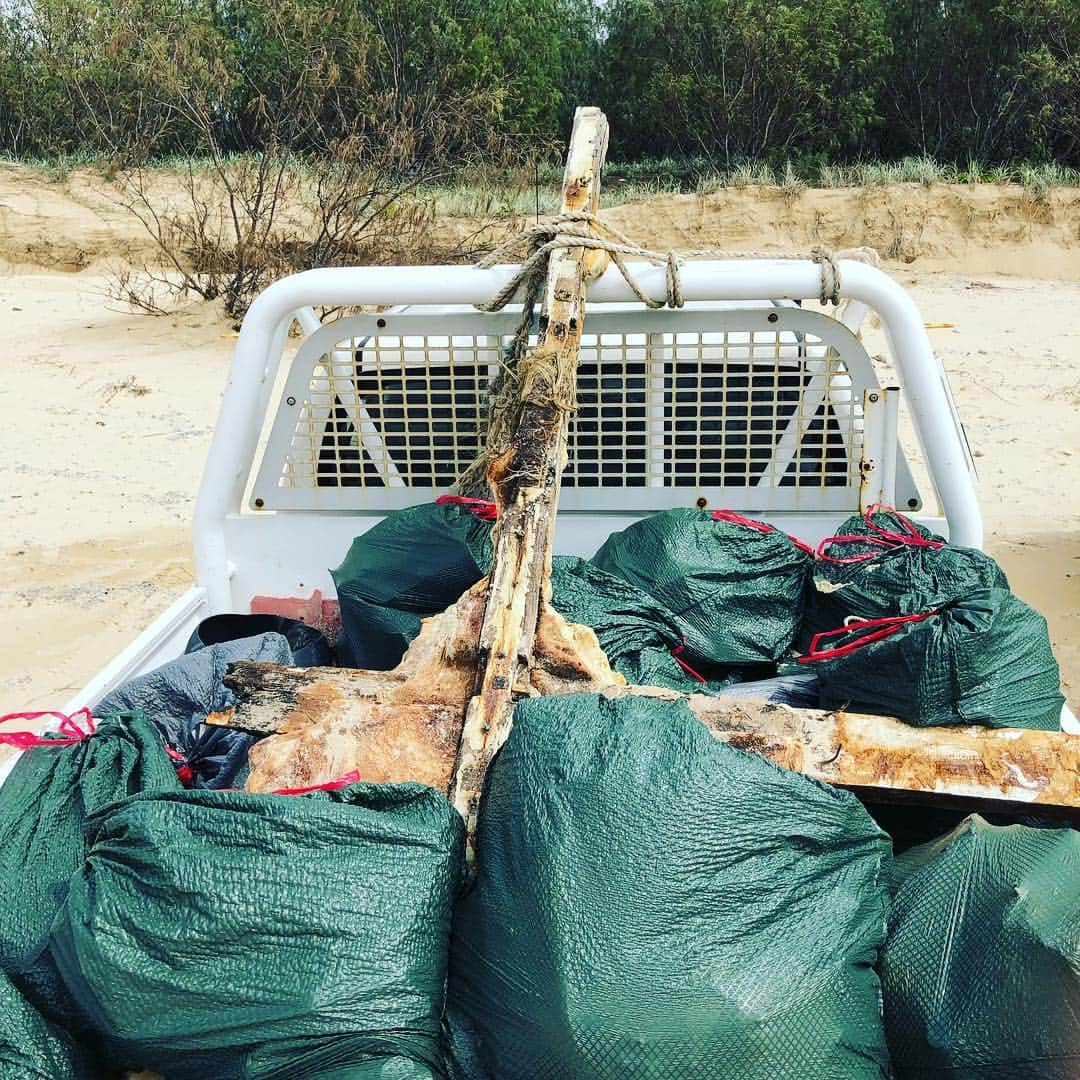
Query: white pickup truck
{"x": 742, "y": 399}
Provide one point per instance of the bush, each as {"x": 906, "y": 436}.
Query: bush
{"x": 695, "y": 86}
{"x": 735, "y": 79}
{"x": 994, "y": 80}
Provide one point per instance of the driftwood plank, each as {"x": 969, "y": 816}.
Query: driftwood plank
{"x": 525, "y": 482}
{"x": 880, "y": 758}
{"x": 393, "y": 726}
{"x": 885, "y": 760}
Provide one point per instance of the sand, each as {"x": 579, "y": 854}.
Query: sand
{"x": 109, "y": 413}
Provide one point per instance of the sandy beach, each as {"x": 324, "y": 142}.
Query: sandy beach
{"x": 109, "y": 413}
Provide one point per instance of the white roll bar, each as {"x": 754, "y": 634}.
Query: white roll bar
{"x": 262, "y": 337}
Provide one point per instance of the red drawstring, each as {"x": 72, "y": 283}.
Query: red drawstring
{"x": 481, "y": 508}
{"x": 757, "y": 526}
{"x": 880, "y": 628}
{"x": 885, "y": 538}
{"x": 69, "y": 727}
{"x": 677, "y": 656}
{"x": 910, "y": 535}
{"x": 852, "y": 538}
{"x": 184, "y": 773}
{"x": 332, "y": 785}
{"x": 738, "y": 519}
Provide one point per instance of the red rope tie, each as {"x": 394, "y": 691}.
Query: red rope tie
{"x": 910, "y": 535}
{"x": 738, "y": 519}
{"x": 879, "y": 629}
{"x": 481, "y": 508}
{"x": 853, "y": 538}
{"x": 802, "y": 545}
{"x": 69, "y": 727}
{"x": 184, "y": 772}
{"x": 758, "y": 526}
{"x": 677, "y": 656}
{"x": 885, "y": 538}
{"x": 332, "y": 785}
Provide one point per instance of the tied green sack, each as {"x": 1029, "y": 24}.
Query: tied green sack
{"x": 882, "y": 564}
{"x": 981, "y": 965}
{"x": 985, "y": 659}
{"x": 31, "y": 1048}
{"x": 238, "y": 935}
{"x": 738, "y": 591}
{"x": 635, "y": 632}
{"x": 413, "y": 564}
{"x": 651, "y": 902}
{"x": 418, "y": 562}
{"x": 44, "y": 805}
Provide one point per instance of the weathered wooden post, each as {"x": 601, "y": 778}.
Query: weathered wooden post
{"x": 525, "y": 480}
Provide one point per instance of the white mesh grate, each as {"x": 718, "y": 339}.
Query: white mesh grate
{"x": 681, "y": 409}
{"x": 392, "y": 411}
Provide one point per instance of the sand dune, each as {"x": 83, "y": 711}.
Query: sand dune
{"x": 108, "y": 414}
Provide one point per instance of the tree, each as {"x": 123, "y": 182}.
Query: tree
{"x": 742, "y": 78}
{"x": 995, "y": 80}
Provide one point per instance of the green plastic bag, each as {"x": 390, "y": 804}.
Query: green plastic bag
{"x": 736, "y": 586}
{"x": 882, "y": 564}
{"x": 985, "y": 659}
{"x": 32, "y": 1049}
{"x": 413, "y": 564}
{"x": 417, "y": 562}
{"x": 237, "y": 935}
{"x": 981, "y": 965}
{"x": 638, "y": 636}
{"x": 44, "y": 805}
{"x": 651, "y": 902}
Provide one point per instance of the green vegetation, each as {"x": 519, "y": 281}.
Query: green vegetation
{"x": 644, "y": 179}
{"x": 813, "y": 82}
{"x": 311, "y": 134}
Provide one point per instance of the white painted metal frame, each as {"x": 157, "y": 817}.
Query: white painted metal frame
{"x": 769, "y": 340}
{"x": 259, "y": 351}
{"x": 269, "y": 556}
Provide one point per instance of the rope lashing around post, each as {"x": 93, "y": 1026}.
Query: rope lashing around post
{"x": 584, "y": 230}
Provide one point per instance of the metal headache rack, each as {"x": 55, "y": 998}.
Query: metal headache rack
{"x": 739, "y": 399}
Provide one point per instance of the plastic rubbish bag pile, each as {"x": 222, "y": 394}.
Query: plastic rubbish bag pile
{"x": 649, "y": 902}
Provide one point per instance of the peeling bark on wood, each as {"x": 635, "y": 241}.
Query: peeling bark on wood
{"x": 885, "y": 760}
{"x": 525, "y": 481}
{"x": 394, "y": 726}
{"x": 879, "y": 758}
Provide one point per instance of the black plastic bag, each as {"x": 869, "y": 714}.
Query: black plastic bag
{"x": 309, "y": 646}
{"x": 178, "y": 696}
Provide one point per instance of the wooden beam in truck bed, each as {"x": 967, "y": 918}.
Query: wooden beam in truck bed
{"x": 878, "y": 757}
{"x": 524, "y": 479}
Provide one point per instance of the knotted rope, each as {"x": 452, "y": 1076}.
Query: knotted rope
{"x": 584, "y": 230}
{"x": 532, "y": 248}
